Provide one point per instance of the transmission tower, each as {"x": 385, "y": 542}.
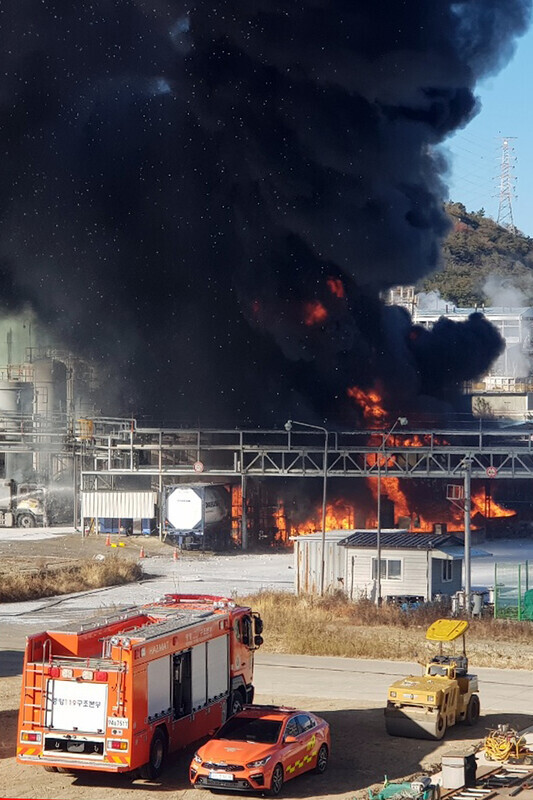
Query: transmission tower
{"x": 507, "y": 183}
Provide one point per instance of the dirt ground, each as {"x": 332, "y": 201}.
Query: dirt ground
{"x": 59, "y": 550}
{"x": 362, "y": 754}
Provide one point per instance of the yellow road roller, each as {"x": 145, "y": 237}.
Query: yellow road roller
{"x": 424, "y": 706}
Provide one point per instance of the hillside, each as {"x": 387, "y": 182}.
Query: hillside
{"x": 478, "y": 250}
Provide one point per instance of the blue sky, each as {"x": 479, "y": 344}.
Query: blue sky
{"x": 507, "y": 111}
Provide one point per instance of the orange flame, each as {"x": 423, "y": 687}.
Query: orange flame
{"x": 336, "y": 287}
{"x": 409, "y": 440}
{"x": 370, "y": 403}
{"x": 314, "y": 313}
{"x": 488, "y": 507}
{"x": 236, "y": 513}
{"x": 339, "y": 516}
{"x": 390, "y": 486}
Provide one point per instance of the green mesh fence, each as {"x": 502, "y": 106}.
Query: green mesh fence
{"x": 513, "y": 591}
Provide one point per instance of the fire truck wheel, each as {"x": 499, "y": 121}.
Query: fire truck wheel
{"x": 158, "y": 752}
{"x": 276, "y": 781}
{"x": 472, "y": 711}
{"x": 50, "y": 769}
{"x": 25, "y": 521}
{"x": 236, "y": 703}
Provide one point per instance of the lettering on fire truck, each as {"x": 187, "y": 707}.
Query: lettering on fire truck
{"x": 119, "y": 694}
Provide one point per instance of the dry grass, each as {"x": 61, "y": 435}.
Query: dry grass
{"x": 76, "y": 577}
{"x": 334, "y": 626}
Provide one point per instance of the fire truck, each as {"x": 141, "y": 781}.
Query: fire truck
{"x": 118, "y": 694}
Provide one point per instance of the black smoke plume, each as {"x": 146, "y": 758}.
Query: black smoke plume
{"x": 208, "y": 198}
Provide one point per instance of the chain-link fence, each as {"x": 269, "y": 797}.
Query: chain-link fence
{"x": 513, "y": 591}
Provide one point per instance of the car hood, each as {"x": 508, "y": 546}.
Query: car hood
{"x": 229, "y": 752}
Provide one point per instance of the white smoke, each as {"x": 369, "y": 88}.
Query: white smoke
{"x": 432, "y": 301}
{"x": 501, "y": 292}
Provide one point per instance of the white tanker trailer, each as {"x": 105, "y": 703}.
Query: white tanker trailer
{"x": 198, "y": 516}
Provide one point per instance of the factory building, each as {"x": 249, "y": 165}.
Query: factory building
{"x": 507, "y": 389}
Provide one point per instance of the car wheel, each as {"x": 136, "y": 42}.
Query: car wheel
{"x": 276, "y": 782}
{"x": 472, "y": 711}
{"x": 322, "y": 760}
{"x": 158, "y": 752}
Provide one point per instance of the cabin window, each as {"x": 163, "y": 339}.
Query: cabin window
{"x": 391, "y": 569}
{"x": 247, "y": 631}
{"x": 447, "y": 571}
{"x": 394, "y": 569}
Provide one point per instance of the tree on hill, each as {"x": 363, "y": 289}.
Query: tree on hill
{"x": 479, "y": 254}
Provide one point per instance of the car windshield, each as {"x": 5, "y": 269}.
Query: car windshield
{"x": 250, "y": 729}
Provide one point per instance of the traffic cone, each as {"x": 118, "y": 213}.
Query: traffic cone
{"x": 142, "y": 554}
{"x": 175, "y": 555}
{"x": 108, "y": 540}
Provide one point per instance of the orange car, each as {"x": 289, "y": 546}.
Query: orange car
{"x": 260, "y": 748}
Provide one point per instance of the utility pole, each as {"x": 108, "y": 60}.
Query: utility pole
{"x": 288, "y": 428}
{"x": 507, "y": 182}
{"x": 468, "y": 538}
{"x": 461, "y": 497}
{"x": 381, "y": 450}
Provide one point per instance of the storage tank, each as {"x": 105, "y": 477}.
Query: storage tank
{"x": 43, "y": 387}
{"x": 10, "y": 397}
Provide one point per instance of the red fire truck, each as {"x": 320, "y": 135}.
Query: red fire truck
{"x": 118, "y": 694}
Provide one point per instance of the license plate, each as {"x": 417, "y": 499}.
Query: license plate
{"x": 221, "y": 776}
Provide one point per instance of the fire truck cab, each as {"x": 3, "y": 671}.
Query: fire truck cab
{"x": 120, "y": 693}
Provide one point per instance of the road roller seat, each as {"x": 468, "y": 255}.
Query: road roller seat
{"x": 461, "y": 665}
{"x": 438, "y": 666}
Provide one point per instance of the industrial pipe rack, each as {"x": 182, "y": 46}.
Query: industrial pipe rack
{"x": 200, "y": 454}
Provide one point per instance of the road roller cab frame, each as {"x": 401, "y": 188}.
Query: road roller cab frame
{"x": 424, "y": 706}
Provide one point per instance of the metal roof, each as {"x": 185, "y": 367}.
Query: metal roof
{"x": 456, "y": 552}
{"x": 331, "y": 536}
{"x": 400, "y": 540}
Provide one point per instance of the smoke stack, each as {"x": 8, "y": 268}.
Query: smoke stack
{"x": 440, "y": 528}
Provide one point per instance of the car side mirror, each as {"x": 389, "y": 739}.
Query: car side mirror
{"x": 289, "y": 740}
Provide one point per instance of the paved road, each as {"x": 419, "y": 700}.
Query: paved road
{"x": 363, "y": 681}
{"x": 366, "y": 681}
